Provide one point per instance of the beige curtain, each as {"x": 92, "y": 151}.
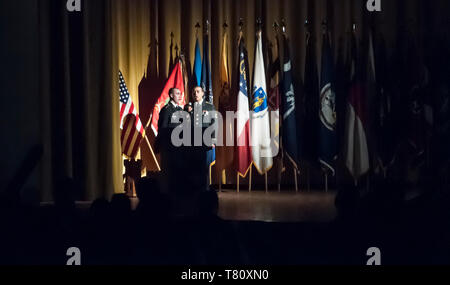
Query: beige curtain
{"x": 101, "y": 93}
{"x": 79, "y": 89}
{"x": 79, "y": 99}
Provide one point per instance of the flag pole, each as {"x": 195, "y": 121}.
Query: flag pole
{"x": 153, "y": 153}
{"x": 326, "y": 181}
{"x": 280, "y": 167}
{"x": 295, "y": 178}
{"x": 250, "y": 179}
{"x": 182, "y": 60}
{"x": 220, "y": 181}
{"x": 265, "y": 178}
{"x": 241, "y": 24}
{"x": 237, "y": 179}
{"x": 294, "y": 167}
{"x": 279, "y": 173}
{"x": 223, "y": 174}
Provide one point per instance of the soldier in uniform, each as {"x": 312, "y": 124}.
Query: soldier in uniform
{"x": 203, "y": 116}
{"x": 170, "y": 155}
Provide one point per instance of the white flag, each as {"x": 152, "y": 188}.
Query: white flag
{"x": 260, "y": 127}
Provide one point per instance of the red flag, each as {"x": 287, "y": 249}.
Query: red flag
{"x": 175, "y": 81}
{"x": 356, "y": 149}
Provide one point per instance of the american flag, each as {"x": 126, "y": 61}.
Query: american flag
{"x": 130, "y": 124}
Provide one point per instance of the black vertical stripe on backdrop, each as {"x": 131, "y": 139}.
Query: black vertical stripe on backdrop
{"x": 76, "y": 88}
{"x": 70, "y": 31}
{"x": 57, "y": 92}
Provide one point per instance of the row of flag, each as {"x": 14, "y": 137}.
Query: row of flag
{"x": 256, "y": 136}
{"x": 254, "y": 145}
{"x": 281, "y": 106}
{"x": 315, "y": 136}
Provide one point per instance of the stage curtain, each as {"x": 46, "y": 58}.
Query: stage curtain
{"x": 81, "y": 54}
{"x": 101, "y": 92}
{"x": 79, "y": 99}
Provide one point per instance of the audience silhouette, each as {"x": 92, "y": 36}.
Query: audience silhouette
{"x": 149, "y": 231}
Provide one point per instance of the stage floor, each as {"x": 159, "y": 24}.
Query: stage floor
{"x": 274, "y": 206}
{"x": 277, "y": 206}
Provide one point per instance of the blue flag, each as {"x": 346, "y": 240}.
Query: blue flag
{"x": 308, "y": 134}
{"x": 288, "y": 108}
{"x": 327, "y": 110}
{"x": 197, "y": 64}
{"x": 206, "y": 84}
